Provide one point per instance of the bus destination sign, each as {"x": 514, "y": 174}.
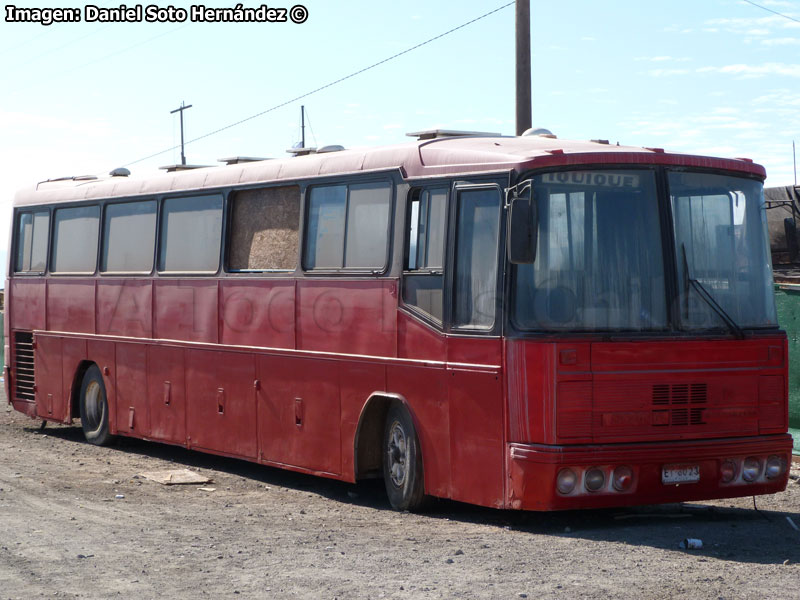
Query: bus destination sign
{"x": 608, "y": 179}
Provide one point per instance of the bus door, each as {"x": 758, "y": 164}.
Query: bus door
{"x": 475, "y": 387}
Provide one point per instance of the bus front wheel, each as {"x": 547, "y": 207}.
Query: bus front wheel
{"x": 402, "y": 461}
{"x": 94, "y": 408}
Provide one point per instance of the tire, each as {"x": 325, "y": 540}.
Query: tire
{"x": 402, "y": 461}
{"x": 94, "y": 408}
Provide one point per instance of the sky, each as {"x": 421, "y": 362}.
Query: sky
{"x": 712, "y": 77}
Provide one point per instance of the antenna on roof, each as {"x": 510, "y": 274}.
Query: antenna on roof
{"x": 180, "y": 110}
{"x": 299, "y": 148}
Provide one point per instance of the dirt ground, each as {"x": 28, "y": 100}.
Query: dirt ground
{"x": 77, "y": 522}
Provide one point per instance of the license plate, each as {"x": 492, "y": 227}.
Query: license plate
{"x": 680, "y": 474}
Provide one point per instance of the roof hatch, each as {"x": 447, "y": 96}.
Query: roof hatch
{"x": 436, "y": 134}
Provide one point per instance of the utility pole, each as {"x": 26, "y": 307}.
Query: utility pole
{"x": 794, "y": 159}
{"x": 180, "y": 110}
{"x": 523, "y": 29}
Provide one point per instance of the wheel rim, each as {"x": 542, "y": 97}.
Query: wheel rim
{"x": 398, "y": 454}
{"x": 94, "y": 405}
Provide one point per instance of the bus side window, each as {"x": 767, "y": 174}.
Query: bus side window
{"x": 191, "y": 232}
{"x": 264, "y": 229}
{"x": 477, "y": 241}
{"x": 423, "y": 277}
{"x": 75, "y": 235}
{"x": 367, "y": 238}
{"x": 129, "y": 237}
{"x": 348, "y": 226}
{"x": 327, "y": 207}
{"x": 33, "y": 229}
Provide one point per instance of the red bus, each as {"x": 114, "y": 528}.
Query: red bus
{"x": 514, "y": 322}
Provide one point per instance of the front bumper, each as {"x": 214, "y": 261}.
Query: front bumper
{"x": 533, "y": 471}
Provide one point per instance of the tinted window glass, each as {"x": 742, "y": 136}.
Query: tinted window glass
{"x": 423, "y": 280}
{"x": 599, "y": 262}
{"x": 129, "y": 237}
{"x": 326, "y": 215}
{"x": 426, "y": 232}
{"x": 722, "y": 251}
{"x": 191, "y": 230}
{"x": 368, "y": 225}
{"x": 75, "y": 239}
{"x": 476, "y": 258}
{"x": 24, "y": 240}
{"x": 424, "y": 291}
{"x": 436, "y": 223}
{"x": 32, "y": 233}
{"x": 264, "y": 224}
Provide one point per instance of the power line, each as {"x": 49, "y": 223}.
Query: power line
{"x": 126, "y": 49}
{"x": 57, "y": 48}
{"x": 28, "y": 41}
{"x": 330, "y": 84}
{"x": 47, "y": 30}
{"x": 774, "y": 12}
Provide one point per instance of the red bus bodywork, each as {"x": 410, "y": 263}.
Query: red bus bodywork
{"x": 297, "y": 370}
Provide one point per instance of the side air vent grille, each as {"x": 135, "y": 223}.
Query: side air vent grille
{"x": 23, "y": 366}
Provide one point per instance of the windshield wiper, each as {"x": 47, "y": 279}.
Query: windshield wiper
{"x": 688, "y": 281}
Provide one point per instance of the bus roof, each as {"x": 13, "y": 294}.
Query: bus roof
{"x": 423, "y": 158}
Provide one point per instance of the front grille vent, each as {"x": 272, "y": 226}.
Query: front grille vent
{"x": 675, "y": 402}
{"x": 24, "y": 372}
{"x": 680, "y": 393}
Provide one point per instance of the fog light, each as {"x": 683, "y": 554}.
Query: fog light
{"x": 751, "y": 469}
{"x": 623, "y": 479}
{"x": 774, "y": 468}
{"x": 594, "y": 480}
{"x": 727, "y": 471}
{"x": 566, "y": 480}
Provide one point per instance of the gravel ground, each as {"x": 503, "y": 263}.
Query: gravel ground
{"x": 76, "y": 521}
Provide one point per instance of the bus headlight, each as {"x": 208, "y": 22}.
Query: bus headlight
{"x": 727, "y": 471}
{"x": 594, "y": 479}
{"x": 622, "y": 479}
{"x": 774, "y": 468}
{"x": 751, "y": 469}
{"x": 565, "y": 481}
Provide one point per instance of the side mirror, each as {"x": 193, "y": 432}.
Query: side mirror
{"x": 523, "y": 228}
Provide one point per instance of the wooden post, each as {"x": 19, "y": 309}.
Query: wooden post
{"x": 523, "y": 29}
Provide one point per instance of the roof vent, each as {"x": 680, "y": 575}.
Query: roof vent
{"x": 176, "y": 168}
{"x": 120, "y": 172}
{"x": 62, "y": 181}
{"x": 71, "y": 178}
{"x": 237, "y": 160}
{"x": 540, "y": 132}
{"x": 436, "y": 134}
{"x": 604, "y": 142}
{"x": 330, "y": 148}
{"x": 301, "y": 151}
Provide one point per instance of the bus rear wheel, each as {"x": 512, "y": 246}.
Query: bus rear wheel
{"x": 94, "y": 408}
{"x": 402, "y": 461}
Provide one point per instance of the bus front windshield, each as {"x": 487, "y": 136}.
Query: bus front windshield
{"x": 722, "y": 251}
{"x": 600, "y": 260}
